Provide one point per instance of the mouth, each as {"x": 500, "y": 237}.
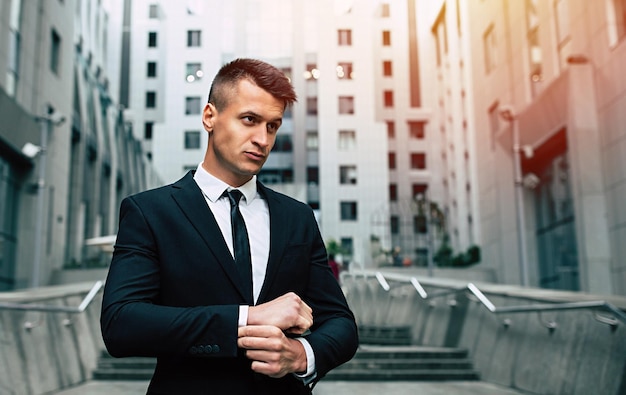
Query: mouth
{"x": 254, "y": 155}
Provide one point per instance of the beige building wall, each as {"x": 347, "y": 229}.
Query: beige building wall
{"x": 558, "y": 67}
{"x": 452, "y": 55}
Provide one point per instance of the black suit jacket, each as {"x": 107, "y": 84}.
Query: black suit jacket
{"x": 173, "y": 292}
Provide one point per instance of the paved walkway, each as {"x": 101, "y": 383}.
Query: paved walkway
{"x": 325, "y": 388}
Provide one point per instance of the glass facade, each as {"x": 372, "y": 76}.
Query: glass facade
{"x": 556, "y": 226}
{"x": 8, "y": 237}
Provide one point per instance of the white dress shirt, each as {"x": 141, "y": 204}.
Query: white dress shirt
{"x": 256, "y": 215}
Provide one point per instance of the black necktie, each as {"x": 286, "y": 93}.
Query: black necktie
{"x": 241, "y": 245}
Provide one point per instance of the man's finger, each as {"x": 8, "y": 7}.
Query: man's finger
{"x": 258, "y": 331}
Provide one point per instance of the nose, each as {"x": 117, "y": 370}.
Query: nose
{"x": 260, "y": 137}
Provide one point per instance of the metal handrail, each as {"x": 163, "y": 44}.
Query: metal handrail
{"x": 56, "y": 309}
{"x": 484, "y": 300}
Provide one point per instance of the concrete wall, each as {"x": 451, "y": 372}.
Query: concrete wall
{"x": 59, "y": 351}
{"x": 580, "y": 356}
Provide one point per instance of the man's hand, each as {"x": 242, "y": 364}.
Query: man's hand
{"x": 288, "y": 313}
{"x": 272, "y": 353}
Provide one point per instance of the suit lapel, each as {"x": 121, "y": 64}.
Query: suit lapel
{"x": 192, "y": 203}
{"x": 279, "y": 235}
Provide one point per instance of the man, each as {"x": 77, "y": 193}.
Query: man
{"x": 174, "y": 290}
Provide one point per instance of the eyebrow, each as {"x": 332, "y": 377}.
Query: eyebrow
{"x": 258, "y": 116}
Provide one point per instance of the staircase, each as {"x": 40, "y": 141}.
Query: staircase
{"x": 134, "y": 368}
{"x": 371, "y": 363}
{"x": 407, "y": 363}
{"x": 390, "y": 335}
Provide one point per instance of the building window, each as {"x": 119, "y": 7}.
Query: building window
{"x": 344, "y": 70}
{"x": 283, "y": 143}
{"x": 387, "y": 68}
{"x": 386, "y": 38}
{"x": 312, "y": 141}
{"x": 311, "y": 72}
{"x": 419, "y": 224}
{"x": 194, "y": 72}
{"x": 391, "y": 129}
{"x": 193, "y": 38}
{"x": 193, "y": 105}
{"x": 418, "y": 161}
{"x": 313, "y": 175}
{"x": 347, "y": 244}
{"x": 388, "y": 98}
{"x": 391, "y": 157}
{"x": 347, "y": 140}
{"x": 419, "y": 191}
{"x": 416, "y": 130}
{"x": 311, "y": 105}
{"x": 13, "y": 69}
{"x": 192, "y": 139}
{"x": 620, "y": 8}
{"x": 151, "y": 70}
{"x": 9, "y": 203}
{"x": 346, "y": 105}
{"x": 344, "y": 37}
{"x": 153, "y": 11}
{"x": 147, "y": 130}
{"x": 494, "y": 123}
{"x": 14, "y": 58}
{"x": 393, "y": 192}
{"x": 152, "y": 39}
{"x": 555, "y": 216}
{"x": 55, "y": 51}
{"x": 490, "y": 48}
{"x": 534, "y": 46}
{"x": 563, "y": 31}
{"x": 347, "y": 175}
{"x": 384, "y": 10}
{"x": 617, "y": 21}
{"x": 151, "y": 99}
{"x": 348, "y": 211}
{"x": 394, "y": 224}
{"x": 276, "y": 176}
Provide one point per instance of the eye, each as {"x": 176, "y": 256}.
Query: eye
{"x": 249, "y": 119}
{"x": 272, "y": 127}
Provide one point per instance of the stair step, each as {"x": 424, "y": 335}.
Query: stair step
{"x": 399, "y": 352}
{"x": 401, "y": 374}
{"x": 387, "y": 335}
{"x": 127, "y": 363}
{"x": 122, "y": 374}
{"x": 429, "y": 363}
{"x": 371, "y": 363}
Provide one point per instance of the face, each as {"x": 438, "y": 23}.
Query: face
{"x": 242, "y": 135}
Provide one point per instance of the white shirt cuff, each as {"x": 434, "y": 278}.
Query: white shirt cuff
{"x": 243, "y": 316}
{"x": 310, "y": 373}
{"x": 310, "y": 362}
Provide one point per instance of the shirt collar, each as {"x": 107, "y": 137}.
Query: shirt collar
{"x": 213, "y": 187}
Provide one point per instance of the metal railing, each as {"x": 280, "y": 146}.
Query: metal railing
{"x": 613, "y": 321}
{"x": 45, "y": 308}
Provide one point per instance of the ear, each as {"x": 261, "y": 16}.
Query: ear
{"x": 208, "y": 117}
